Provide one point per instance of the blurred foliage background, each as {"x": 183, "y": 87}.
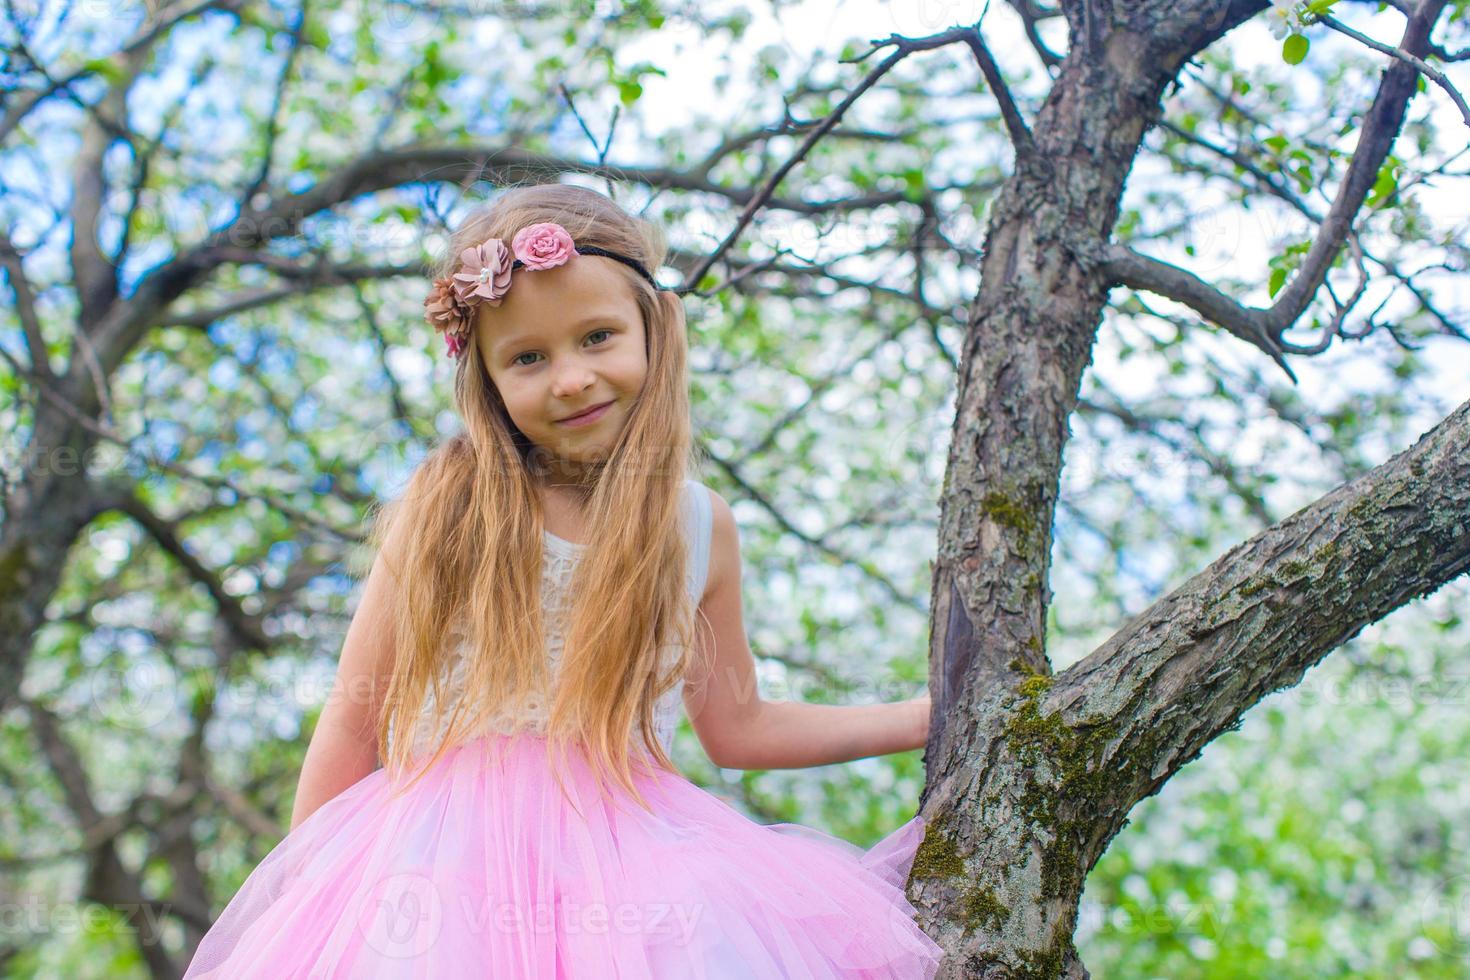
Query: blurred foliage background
{"x": 1326, "y": 837}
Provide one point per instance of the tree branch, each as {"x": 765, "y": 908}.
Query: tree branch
{"x": 126, "y": 320}
{"x": 1127, "y": 267}
{"x": 273, "y": 118}
{"x": 246, "y": 627}
{"x": 1020, "y": 134}
{"x": 1263, "y": 328}
{"x": 1434, "y": 73}
{"x": 25, "y": 308}
{"x": 1031, "y": 14}
{"x": 27, "y": 100}
{"x": 819, "y": 543}
{"x": 108, "y": 880}
{"x": 303, "y": 279}
{"x": 904, "y": 46}
{"x": 1187, "y": 668}
{"x": 1280, "y": 190}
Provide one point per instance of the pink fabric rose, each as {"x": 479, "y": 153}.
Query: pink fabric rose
{"x": 484, "y": 273}
{"x": 543, "y": 246}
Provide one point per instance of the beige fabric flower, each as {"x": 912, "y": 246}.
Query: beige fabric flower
{"x": 484, "y": 273}
{"x": 444, "y": 312}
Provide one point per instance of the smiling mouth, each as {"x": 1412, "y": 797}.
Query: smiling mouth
{"x": 593, "y": 410}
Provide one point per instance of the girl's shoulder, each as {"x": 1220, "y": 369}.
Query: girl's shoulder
{"x": 702, "y": 507}
{"x": 705, "y": 505}
{"x": 695, "y": 490}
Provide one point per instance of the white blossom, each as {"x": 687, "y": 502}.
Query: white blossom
{"x": 1284, "y": 17}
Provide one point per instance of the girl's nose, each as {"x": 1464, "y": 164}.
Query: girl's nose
{"x": 572, "y": 379}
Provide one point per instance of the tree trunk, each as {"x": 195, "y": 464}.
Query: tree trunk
{"x": 1031, "y": 775}
{"x": 44, "y": 512}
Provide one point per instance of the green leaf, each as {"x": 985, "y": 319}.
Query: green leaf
{"x": 316, "y": 35}
{"x": 104, "y": 67}
{"x": 1294, "y": 49}
{"x": 1385, "y": 185}
{"x": 1278, "y": 279}
{"x": 738, "y": 22}
{"x": 913, "y": 184}
{"x": 433, "y": 67}
{"x": 629, "y": 91}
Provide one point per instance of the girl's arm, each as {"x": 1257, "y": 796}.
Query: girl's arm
{"x": 737, "y": 728}
{"x": 343, "y": 747}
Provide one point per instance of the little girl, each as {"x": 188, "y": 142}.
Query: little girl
{"x": 546, "y": 593}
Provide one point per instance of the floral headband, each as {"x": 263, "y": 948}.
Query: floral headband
{"x": 484, "y": 276}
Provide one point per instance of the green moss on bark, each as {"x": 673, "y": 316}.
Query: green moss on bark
{"x": 937, "y": 855}
{"x": 1064, "y": 777}
{"x": 982, "y": 910}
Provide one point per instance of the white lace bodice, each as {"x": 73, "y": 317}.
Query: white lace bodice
{"x": 559, "y": 559}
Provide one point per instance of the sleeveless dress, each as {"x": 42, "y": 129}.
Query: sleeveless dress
{"x": 486, "y": 867}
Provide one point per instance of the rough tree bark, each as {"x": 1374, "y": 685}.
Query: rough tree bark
{"x": 1030, "y": 774}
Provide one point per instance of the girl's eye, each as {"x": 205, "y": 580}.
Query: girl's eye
{"x": 517, "y": 359}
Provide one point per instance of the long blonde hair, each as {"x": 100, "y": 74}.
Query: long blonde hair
{"x": 470, "y": 546}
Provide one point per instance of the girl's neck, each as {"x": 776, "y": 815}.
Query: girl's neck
{"x": 571, "y": 479}
{"x": 564, "y": 507}
{"x": 572, "y": 498}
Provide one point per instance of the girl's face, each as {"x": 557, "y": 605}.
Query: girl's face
{"x": 564, "y": 340}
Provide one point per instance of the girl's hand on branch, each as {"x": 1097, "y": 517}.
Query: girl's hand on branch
{"x": 921, "y": 709}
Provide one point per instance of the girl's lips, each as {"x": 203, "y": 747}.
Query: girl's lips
{"x": 588, "y": 417}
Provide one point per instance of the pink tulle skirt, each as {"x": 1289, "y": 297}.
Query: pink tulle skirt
{"x": 486, "y": 868}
